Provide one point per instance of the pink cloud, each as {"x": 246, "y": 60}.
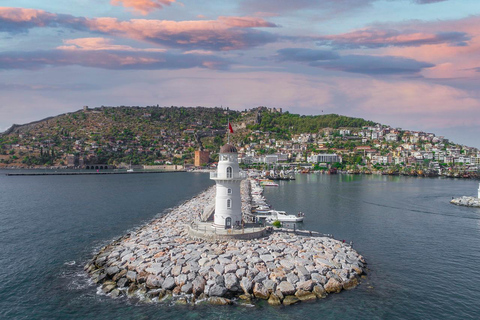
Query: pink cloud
{"x": 451, "y": 61}
{"x": 142, "y": 6}
{"x": 99, "y": 44}
{"x": 38, "y": 17}
{"x": 377, "y": 38}
{"x": 225, "y": 33}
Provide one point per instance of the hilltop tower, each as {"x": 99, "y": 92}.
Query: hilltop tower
{"x": 228, "y": 204}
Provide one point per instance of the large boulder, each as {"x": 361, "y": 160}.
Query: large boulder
{"x": 319, "y": 291}
{"x": 154, "y": 282}
{"x": 286, "y": 288}
{"x": 132, "y": 276}
{"x": 169, "y": 283}
{"x": 305, "y": 295}
{"x": 198, "y": 285}
{"x": 274, "y": 300}
{"x": 217, "y": 291}
{"x": 350, "y": 284}
{"x": 259, "y": 291}
{"x": 288, "y": 300}
{"x": 333, "y": 286}
{"x": 246, "y": 285}
{"x": 219, "y": 301}
{"x": 231, "y": 281}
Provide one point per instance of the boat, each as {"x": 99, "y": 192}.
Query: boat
{"x": 282, "y": 216}
{"x": 268, "y": 183}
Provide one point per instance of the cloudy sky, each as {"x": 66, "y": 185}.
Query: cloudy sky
{"x": 413, "y": 64}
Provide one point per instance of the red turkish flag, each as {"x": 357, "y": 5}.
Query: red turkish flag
{"x": 230, "y": 127}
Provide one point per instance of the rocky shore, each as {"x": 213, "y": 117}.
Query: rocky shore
{"x": 159, "y": 262}
{"x": 466, "y": 201}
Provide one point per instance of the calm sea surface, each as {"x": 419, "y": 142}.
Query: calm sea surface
{"x": 423, "y": 253}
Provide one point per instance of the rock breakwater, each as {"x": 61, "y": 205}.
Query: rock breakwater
{"x": 159, "y": 262}
{"x": 466, "y": 201}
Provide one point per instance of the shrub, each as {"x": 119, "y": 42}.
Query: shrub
{"x": 277, "y": 224}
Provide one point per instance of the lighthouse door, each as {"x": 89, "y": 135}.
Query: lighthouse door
{"x": 228, "y": 223}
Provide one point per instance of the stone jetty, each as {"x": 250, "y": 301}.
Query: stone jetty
{"x": 159, "y": 262}
{"x": 466, "y": 201}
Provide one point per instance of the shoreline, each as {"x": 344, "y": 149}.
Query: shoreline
{"x": 86, "y": 173}
{"x": 159, "y": 262}
{"x": 64, "y": 172}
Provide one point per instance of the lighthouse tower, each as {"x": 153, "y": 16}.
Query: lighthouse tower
{"x": 228, "y": 205}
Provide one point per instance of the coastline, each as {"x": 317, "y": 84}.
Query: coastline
{"x": 159, "y": 262}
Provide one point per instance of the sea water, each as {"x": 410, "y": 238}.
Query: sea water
{"x": 423, "y": 253}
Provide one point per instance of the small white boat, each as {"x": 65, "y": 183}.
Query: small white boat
{"x": 282, "y": 216}
{"x": 270, "y": 184}
{"x": 129, "y": 170}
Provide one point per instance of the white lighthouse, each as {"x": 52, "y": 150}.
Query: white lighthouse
{"x": 228, "y": 205}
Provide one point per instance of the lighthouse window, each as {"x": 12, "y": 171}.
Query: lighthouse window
{"x": 229, "y": 191}
{"x": 229, "y": 172}
{"x": 229, "y": 203}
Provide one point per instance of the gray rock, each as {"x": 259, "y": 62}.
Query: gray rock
{"x": 132, "y": 276}
{"x": 246, "y": 284}
{"x": 231, "y": 268}
{"x": 169, "y": 283}
{"x": 176, "y": 270}
{"x": 305, "y": 285}
{"x": 219, "y": 269}
{"x": 292, "y": 278}
{"x": 217, "y": 291}
{"x": 155, "y": 268}
{"x": 240, "y": 273}
{"x": 187, "y": 288}
{"x": 260, "y": 277}
{"x": 224, "y": 261}
{"x": 286, "y": 288}
{"x": 198, "y": 285}
{"x": 231, "y": 282}
{"x": 270, "y": 285}
{"x": 303, "y": 272}
{"x": 112, "y": 270}
{"x": 220, "y": 280}
{"x": 154, "y": 282}
{"x": 287, "y": 264}
{"x": 181, "y": 280}
{"x": 122, "y": 282}
{"x": 266, "y": 257}
{"x": 259, "y": 291}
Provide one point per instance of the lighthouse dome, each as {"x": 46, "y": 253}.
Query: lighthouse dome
{"x": 228, "y": 148}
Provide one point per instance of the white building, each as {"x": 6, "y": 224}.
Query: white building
{"x": 228, "y": 205}
{"x": 324, "y": 158}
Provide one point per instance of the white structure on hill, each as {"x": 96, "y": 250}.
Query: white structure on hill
{"x": 228, "y": 204}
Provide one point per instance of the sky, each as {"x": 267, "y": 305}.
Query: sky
{"x": 413, "y": 64}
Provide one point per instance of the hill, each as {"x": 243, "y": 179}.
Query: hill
{"x": 150, "y": 135}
